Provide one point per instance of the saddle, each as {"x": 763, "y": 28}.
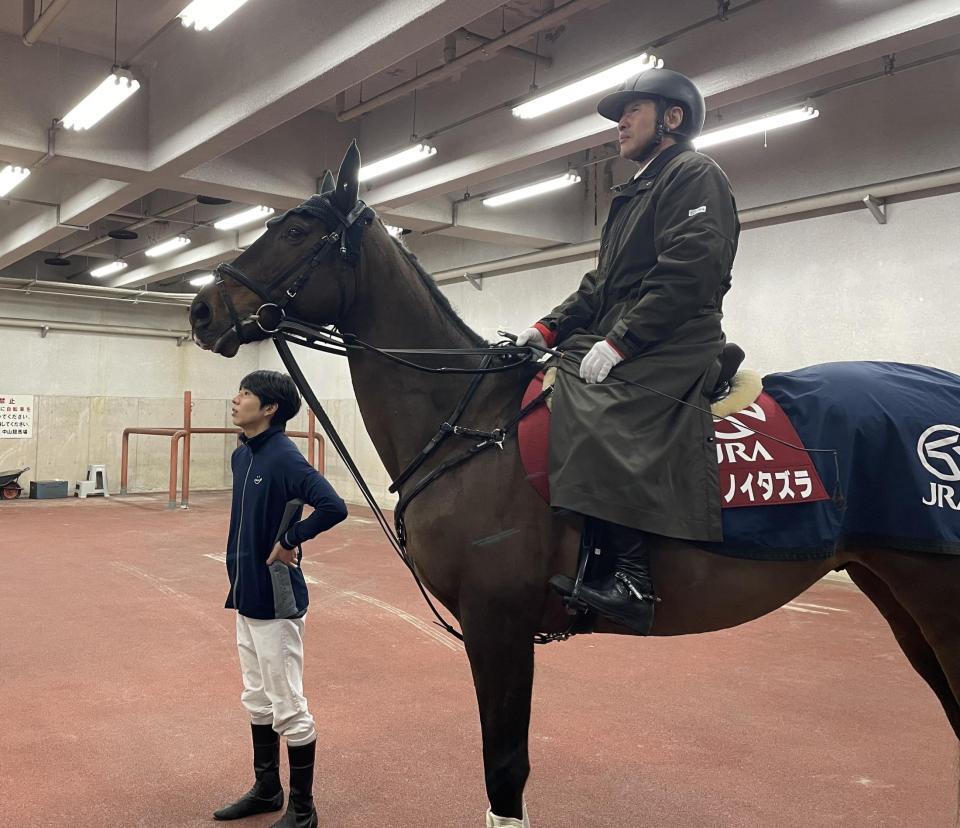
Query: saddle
{"x": 730, "y": 360}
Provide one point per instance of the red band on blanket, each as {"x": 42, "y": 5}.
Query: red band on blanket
{"x": 754, "y": 471}
{"x": 757, "y": 471}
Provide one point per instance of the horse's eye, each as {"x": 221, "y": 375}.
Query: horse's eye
{"x": 295, "y": 233}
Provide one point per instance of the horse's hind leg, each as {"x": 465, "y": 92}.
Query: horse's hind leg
{"x": 499, "y": 642}
{"x": 911, "y": 639}
{"x": 918, "y": 596}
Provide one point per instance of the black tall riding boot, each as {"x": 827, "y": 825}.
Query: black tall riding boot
{"x": 266, "y": 793}
{"x": 301, "y": 812}
{"x": 628, "y": 597}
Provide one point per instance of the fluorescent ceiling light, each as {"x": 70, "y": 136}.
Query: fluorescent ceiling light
{"x": 168, "y": 246}
{"x": 531, "y": 190}
{"x": 208, "y": 14}
{"x": 10, "y": 176}
{"x": 246, "y": 217}
{"x": 396, "y": 161}
{"x": 115, "y": 89}
{"x": 203, "y": 279}
{"x": 394, "y": 231}
{"x": 768, "y": 122}
{"x": 587, "y": 87}
{"x": 106, "y": 270}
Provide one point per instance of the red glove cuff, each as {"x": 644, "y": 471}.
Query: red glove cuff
{"x": 622, "y": 354}
{"x": 550, "y": 337}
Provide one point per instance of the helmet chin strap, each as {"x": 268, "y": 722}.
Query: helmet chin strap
{"x": 660, "y": 131}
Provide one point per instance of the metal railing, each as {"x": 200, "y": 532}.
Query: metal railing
{"x": 315, "y": 452}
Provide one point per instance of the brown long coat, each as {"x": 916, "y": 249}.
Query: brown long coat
{"x": 617, "y": 452}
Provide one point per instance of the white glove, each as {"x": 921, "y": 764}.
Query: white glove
{"x": 532, "y": 336}
{"x": 598, "y": 362}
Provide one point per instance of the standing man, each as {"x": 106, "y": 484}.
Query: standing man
{"x": 271, "y": 482}
{"x": 633, "y": 460}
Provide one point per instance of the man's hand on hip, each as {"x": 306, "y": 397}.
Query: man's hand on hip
{"x": 285, "y": 556}
{"x": 598, "y": 362}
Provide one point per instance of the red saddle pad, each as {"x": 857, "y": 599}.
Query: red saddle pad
{"x": 754, "y": 470}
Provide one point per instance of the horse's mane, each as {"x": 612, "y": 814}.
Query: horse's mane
{"x": 443, "y": 303}
{"x": 320, "y": 206}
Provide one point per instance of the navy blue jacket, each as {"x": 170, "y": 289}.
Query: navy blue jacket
{"x": 268, "y": 472}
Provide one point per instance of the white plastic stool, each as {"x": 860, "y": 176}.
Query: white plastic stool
{"x": 96, "y": 482}
{"x": 84, "y": 487}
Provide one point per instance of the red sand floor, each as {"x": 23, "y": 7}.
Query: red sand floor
{"x": 120, "y": 696}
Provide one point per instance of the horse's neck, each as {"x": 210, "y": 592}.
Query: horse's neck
{"x": 403, "y": 408}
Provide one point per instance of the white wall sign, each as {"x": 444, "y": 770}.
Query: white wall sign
{"x": 16, "y": 416}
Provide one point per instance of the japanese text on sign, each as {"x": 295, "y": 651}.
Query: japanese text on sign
{"x": 16, "y": 416}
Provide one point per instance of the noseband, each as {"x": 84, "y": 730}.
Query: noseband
{"x": 273, "y": 310}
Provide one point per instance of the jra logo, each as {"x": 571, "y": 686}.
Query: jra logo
{"x": 937, "y": 447}
{"x": 939, "y": 451}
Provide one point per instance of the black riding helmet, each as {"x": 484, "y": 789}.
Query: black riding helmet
{"x": 667, "y": 88}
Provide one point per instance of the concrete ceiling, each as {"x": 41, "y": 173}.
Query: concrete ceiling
{"x": 249, "y": 112}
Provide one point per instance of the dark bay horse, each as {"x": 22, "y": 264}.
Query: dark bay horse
{"x": 481, "y": 539}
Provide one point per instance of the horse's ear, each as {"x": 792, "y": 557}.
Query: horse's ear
{"x": 348, "y": 180}
{"x": 327, "y": 185}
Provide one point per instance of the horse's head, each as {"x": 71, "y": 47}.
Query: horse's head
{"x": 305, "y": 262}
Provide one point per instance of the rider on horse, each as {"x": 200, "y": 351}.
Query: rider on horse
{"x": 635, "y": 461}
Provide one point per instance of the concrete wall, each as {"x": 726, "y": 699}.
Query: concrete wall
{"x": 89, "y": 387}
{"x": 70, "y": 432}
{"x": 822, "y": 289}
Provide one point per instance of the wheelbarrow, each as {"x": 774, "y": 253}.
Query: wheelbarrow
{"x": 10, "y": 489}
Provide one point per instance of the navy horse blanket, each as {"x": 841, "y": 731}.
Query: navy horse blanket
{"x": 895, "y": 479}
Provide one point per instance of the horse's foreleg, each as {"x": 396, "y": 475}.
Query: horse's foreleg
{"x": 499, "y": 639}
{"x": 910, "y": 638}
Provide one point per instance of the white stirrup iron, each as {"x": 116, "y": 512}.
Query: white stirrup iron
{"x": 494, "y": 821}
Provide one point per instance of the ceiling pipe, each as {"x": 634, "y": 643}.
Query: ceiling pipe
{"x": 170, "y": 211}
{"x": 32, "y": 34}
{"x": 914, "y": 185}
{"x": 95, "y": 291}
{"x": 482, "y": 52}
{"x": 90, "y": 327}
{"x": 27, "y": 292}
{"x": 852, "y": 197}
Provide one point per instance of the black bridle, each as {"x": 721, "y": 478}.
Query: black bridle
{"x": 271, "y": 314}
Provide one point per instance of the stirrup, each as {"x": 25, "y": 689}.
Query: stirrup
{"x": 569, "y": 591}
{"x": 571, "y": 595}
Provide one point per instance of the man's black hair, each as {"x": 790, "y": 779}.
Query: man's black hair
{"x": 274, "y": 387}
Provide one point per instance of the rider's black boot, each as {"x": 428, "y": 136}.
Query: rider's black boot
{"x": 627, "y": 597}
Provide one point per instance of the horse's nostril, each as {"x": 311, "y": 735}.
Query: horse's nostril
{"x": 199, "y": 313}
